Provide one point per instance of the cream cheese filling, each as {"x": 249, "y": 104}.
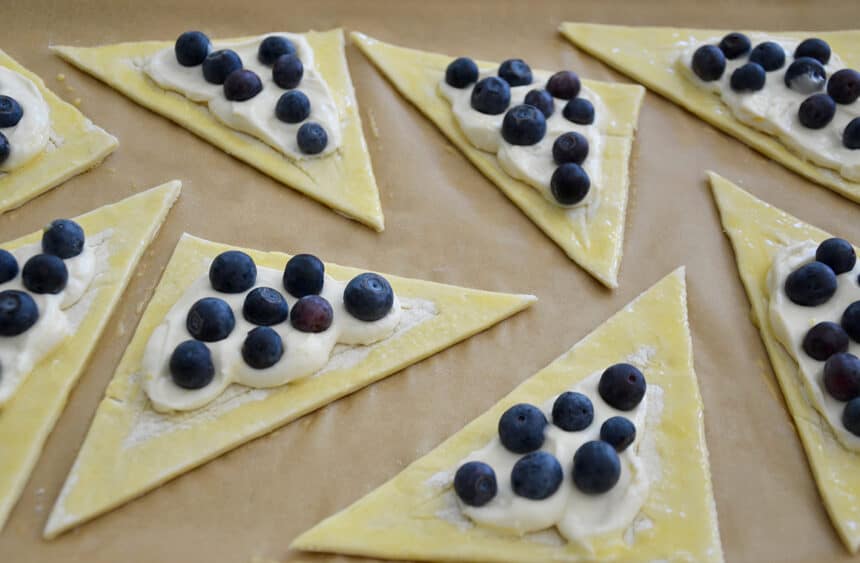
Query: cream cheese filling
{"x": 30, "y": 135}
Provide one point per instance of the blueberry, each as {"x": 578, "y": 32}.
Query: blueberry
{"x": 210, "y": 319}
{"x": 825, "y": 339}
{"x": 816, "y": 111}
{"x": 191, "y": 48}
{"x": 842, "y": 376}
{"x": 242, "y": 85}
{"x": 475, "y": 483}
{"x": 5, "y": 148}
{"x": 11, "y": 111}
{"x": 218, "y": 65}
{"x": 844, "y": 86}
{"x": 572, "y": 411}
{"x": 850, "y": 321}
{"x": 63, "y": 238}
{"x": 288, "y": 71}
{"x": 515, "y": 72}
{"x": 18, "y": 312}
{"x": 312, "y": 138}
{"x": 851, "y": 416}
{"x": 805, "y": 75}
{"x": 368, "y": 297}
{"x": 622, "y": 386}
{"x": 542, "y": 100}
{"x": 769, "y": 55}
{"x": 524, "y": 125}
{"x": 811, "y": 285}
{"x": 851, "y": 135}
{"x": 735, "y": 45}
{"x": 748, "y": 78}
{"x": 262, "y": 348}
{"x": 304, "y": 275}
{"x": 838, "y": 254}
{"x": 8, "y": 266}
{"x": 564, "y": 84}
{"x": 570, "y": 147}
{"x": 596, "y": 467}
{"x": 273, "y": 47}
{"x": 232, "y": 271}
{"x": 491, "y": 96}
{"x": 579, "y": 110}
{"x": 293, "y": 107}
{"x": 536, "y": 476}
{"x": 311, "y": 313}
{"x": 815, "y": 48}
{"x": 569, "y": 184}
{"x": 619, "y": 432}
{"x": 709, "y": 63}
{"x": 45, "y": 273}
{"x": 461, "y": 72}
{"x": 191, "y": 365}
{"x": 265, "y": 306}
{"x": 521, "y": 428}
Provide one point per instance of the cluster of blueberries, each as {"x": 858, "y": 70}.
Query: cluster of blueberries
{"x": 367, "y": 297}
{"x": 805, "y": 74}
{"x": 11, "y": 113}
{"x": 240, "y": 84}
{"x": 814, "y": 284}
{"x": 525, "y": 124}
{"x": 537, "y": 475}
{"x": 41, "y": 274}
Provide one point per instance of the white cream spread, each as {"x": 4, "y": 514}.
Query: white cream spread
{"x": 30, "y": 136}
{"x": 255, "y": 116}
{"x": 773, "y": 109}
{"x": 791, "y": 322}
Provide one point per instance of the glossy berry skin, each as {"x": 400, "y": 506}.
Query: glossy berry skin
{"x": 735, "y": 45}
{"x": 619, "y": 432}
{"x": 769, "y": 55}
{"x": 596, "y": 467}
{"x": 524, "y": 125}
{"x": 45, "y": 273}
{"x": 191, "y": 365}
{"x": 709, "y": 63}
{"x": 851, "y": 321}
{"x": 811, "y": 285}
{"x": 851, "y": 135}
{"x": 622, "y": 386}
{"x": 210, "y": 319}
{"x": 748, "y": 78}
{"x": 579, "y": 110}
{"x": 851, "y": 416}
{"x": 805, "y": 75}
{"x": 521, "y": 428}
{"x": 312, "y": 138}
{"x": 491, "y": 96}
{"x": 288, "y": 70}
{"x": 218, "y": 65}
{"x": 461, "y": 72}
{"x": 569, "y": 184}
{"x": 8, "y": 266}
{"x": 63, "y": 238}
{"x": 232, "y": 271}
{"x": 5, "y": 148}
{"x": 536, "y": 476}
{"x": 368, "y": 297}
{"x": 311, "y": 313}
{"x": 515, "y": 72}
{"x": 11, "y": 111}
{"x": 572, "y": 411}
{"x": 842, "y": 376}
{"x": 304, "y": 274}
{"x": 273, "y": 47}
{"x": 570, "y": 147}
{"x": 816, "y": 111}
{"x": 475, "y": 483}
{"x": 838, "y": 254}
{"x": 191, "y": 48}
{"x": 564, "y": 84}
{"x": 262, "y": 348}
{"x": 242, "y": 85}
{"x": 293, "y": 107}
{"x": 815, "y": 48}
{"x": 542, "y": 100}
{"x": 825, "y": 339}
{"x": 844, "y": 86}
{"x": 18, "y": 312}
{"x": 265, "y": 306}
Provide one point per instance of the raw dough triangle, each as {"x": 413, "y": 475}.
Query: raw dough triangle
{"x": 130, "y": 449}
{"x": 756, "y": 231}
{"x": 414, "y": 516}
{"x": 29, "y": 417}
{"x": 343, "y": 181}
{"x": 595, "y": 243}
{"x": 647, "y": 55}
{"x": 76, "y": 146}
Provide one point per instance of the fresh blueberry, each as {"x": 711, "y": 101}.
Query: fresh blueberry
{"x": 293, "y": 107}
{"x": 475, "y": 483}
{"x": 368, "y": 297}
{"x": 265, "y": 306}
{"x": 312, "y": 138}
{"x": 461, "y": 72}
{"x": 851, "y": 416}
{"x": 218, "y": 65}
{"x": 709, "y": 63}
{"x": 769, "y": 55}
{"x": 838, "y": 254}
{"x": 63, "y": 238}
{"x": 191, "y": 48}
{"x": 45, "y": 273}
{"x": 5, "y": 148}
{"x": 619, "y": 432}
{"x": 735, "y": 45}
{"x": 569, "y": 184}
{"x": 524, "y": 125}
{"x": 572, "y": 411}
{"x": 515, "y": 72}
{"x": 304, "y": 275}
{"x": 8, "y": 266}
{"x": 18, "y": 312}
{"x": 596, "y": 467}
{"x": 850, "y": 321}
{"x": 233, "y": 271}
{"x": 564, "y": 84}
{"x": 570, "y": 147}
{"x": 242, "y": 85}
{"x": 262, "y": 348}
{"x": 825, "y": 339}
{"x": 11, "y": 111}
{"x": 542, "y": 100}
{"x": 491, "y": 96}
{"x": 816, "y": 111}
{"x": 521, "y": 428}
{"x": 842, "y": 376}
{"x": 805, "y": 75}
{"x": 536, "y": 476}
{"x": 815, "y": 48}
{"x": 748, "y": 78}
{"x": 844, "y": 86}
{"x": 288, "y": 71}
{"x": 311, "y": 313}
{"x": 273, "y": 47}
{"x": 811, "y": 285}
{"x": 191, "y": 365}
{"x": 579, "y": 110}
{"x": 851, "y": 135}
{"x": 210, "y": 319}
{"x": 622, "y": 386}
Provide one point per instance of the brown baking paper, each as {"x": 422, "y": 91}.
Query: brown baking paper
{"x": 444, "y": 222}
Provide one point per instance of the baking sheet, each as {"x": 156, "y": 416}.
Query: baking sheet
{"x": 446, "y": 223}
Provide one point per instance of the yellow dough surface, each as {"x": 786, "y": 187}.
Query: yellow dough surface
{"x": 113, "y": 468}
{"x": 757, "y": 230}
{"x": 648, "y": 54}
{"x": 404, "y": 518}
{"x": 29, "y": 417}
{"x": 343, "y": 180}
{"x": 595, "y": 243}
{"x": 80, "y": 146}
